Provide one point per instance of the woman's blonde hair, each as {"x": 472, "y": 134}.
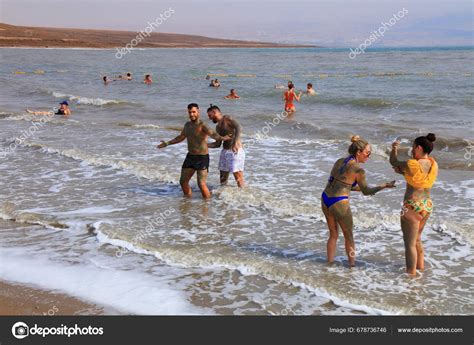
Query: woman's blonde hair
{"x": 358, "y": 144}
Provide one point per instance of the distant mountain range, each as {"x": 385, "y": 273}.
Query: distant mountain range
{"x": 41, "y": 37}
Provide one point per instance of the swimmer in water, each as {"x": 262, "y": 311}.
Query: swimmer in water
{"x": 346, "y": 175}
{"x": 215, "y": 83}
{"x": 106, "y": 80}
{"x": 289, "y": 96}
{"x": 232, "y": 158}
{"x": 309, "y": 90}
{"x": 195, "y": 132}
{"x": 420, "y": 173}
{"x": 129, "y": 76}
{"x": 63, "y": 110}
{"x": 148, "y": 79}
{"x": 232, "y": 95}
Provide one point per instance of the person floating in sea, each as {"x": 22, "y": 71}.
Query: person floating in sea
{"x": 309, "y": 90}
{"x": 215, "y": 83}
{"x": 197, "y": 159}
{"x": 346, "y": 176}
{"x": 232, "y": 158}
{"x": 105, "y": 80}
{"x": 289, "y": 96}
{"x": 420, "y": 174}
{"x": 148, "y": 79}
{"x": 63, "y": 110}
{"x": 129, "y": 76}
{"x": 232, "y": 95}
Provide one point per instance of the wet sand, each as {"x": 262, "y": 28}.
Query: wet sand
{"x": 24, "y": 300}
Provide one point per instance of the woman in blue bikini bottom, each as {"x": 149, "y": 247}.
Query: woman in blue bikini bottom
{"x": 346, "y": 176}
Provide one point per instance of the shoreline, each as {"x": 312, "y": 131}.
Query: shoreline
{"x": 149, "y": 48}
{"x": 18, "y": 299}
{"x": 13, "y": 36}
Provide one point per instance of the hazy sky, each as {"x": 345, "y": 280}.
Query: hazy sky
{"x": 321, "y": 22}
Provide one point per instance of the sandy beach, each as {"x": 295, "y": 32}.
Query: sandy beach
{"x": 16, "y": 299}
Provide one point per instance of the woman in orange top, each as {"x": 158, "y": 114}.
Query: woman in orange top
{"x": 289, "y": 96}
{"x": 420, "y": 174}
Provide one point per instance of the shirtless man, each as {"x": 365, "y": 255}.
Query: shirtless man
{"x": 148, "y": 79}
{"x": 232, "y": 95}
{"x": 309, "y": 90}
{"x": 232, "y": 157}
{"x": 197, "y": 159}
{"x": 63, "y": 110}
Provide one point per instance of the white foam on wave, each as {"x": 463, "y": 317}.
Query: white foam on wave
{"x": 125, "y": 291}
{"x": 8, "y": 212}
{"x": 145, "y": 169}
{"x": 176, "y": 257}
{"x": 86, "y": 100}
{"x": 275, "y": 139}
{"x": 91, "y": 211}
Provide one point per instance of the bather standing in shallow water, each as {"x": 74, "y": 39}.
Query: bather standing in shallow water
{"x": 346, "y": 176}
{"x": 420, "y": 174}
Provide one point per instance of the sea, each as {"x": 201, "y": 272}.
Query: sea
{"x": 91, "y": 208}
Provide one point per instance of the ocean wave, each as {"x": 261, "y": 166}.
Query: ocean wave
{"x": 193, "y": 256}
{"x": 280, "y": 205}
{"x": 149, "y": 126}
{"x": 127, "y": 291}
{"x": 88, "y": 101}
{"x": 59, "y": 120}
{"x": 139, "y": 169}
{"x": 275, "y": 139}
{"x": 8, "y": 212}
{"x": 373, "y": 103}
{"x": 288, "y": 206}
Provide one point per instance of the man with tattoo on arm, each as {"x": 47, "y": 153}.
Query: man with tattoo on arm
{"x": 232, "y": 157}
{"x": 346, "y": 176}
{"x": 197, "y": 159}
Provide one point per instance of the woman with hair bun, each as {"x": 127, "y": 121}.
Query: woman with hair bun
{"x": 420, "y": 174}
{"x": 346, "y": 176}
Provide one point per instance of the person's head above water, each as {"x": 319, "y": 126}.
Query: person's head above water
{"x": 423, "y": 145}
{"x": 193, "y": 112}
{"x": 129, "y": 75}
{"x": 291, "y": 86}
{"x": 359, "y": 149}
{"x": 214, "y": 113}
{"x": 64, "y": 103}
{"x": 309, "y": 86}
{"x": 104, "y": 78}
